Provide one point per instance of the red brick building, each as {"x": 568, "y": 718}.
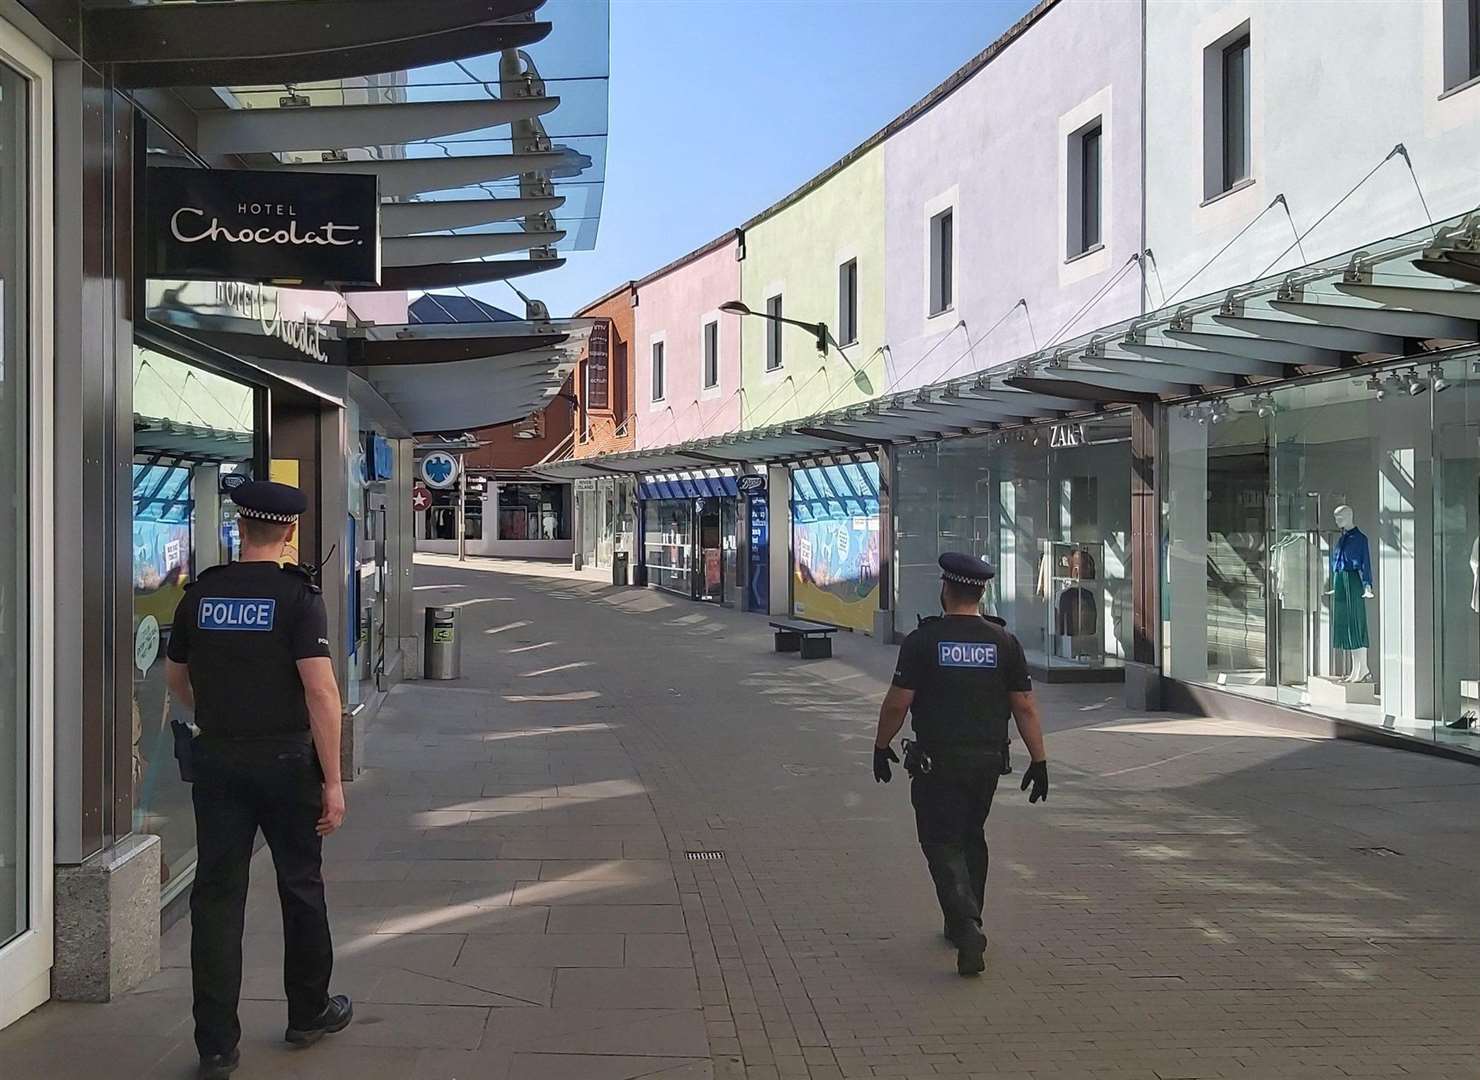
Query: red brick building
{"x": 603, "y": 384}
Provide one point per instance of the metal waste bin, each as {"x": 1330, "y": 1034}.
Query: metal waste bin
{"x": 619, "y": 568}
{"x": 443, "y": 659}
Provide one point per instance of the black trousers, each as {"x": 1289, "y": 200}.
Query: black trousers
{"x": 951, "y": 803}
{"x": 241, "y": 786}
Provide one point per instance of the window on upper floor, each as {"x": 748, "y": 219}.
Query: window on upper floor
{"x": 658, "y": 371}
{"x": 1461, "y": 42}
{"x": 848, "y": 302}
{"x": 942, "y": 261}
{"x": 773, "y": 333}
{"x": 1084, "y": 188}
{"x": 1228, "y": 132}
{"x": 711, "y": 355}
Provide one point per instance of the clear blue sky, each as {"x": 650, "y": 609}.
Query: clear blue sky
{"x": 720, "y": 107}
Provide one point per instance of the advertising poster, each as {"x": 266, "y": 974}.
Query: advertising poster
{"x": 835, "y": 539}
{"x": 161, "y": 538}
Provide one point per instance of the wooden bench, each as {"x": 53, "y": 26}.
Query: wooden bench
{"x": 812, "y": 640}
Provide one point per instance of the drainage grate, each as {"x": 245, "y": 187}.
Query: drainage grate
{"x": 704, "y": 856}
{"x": 1383, "y": 851}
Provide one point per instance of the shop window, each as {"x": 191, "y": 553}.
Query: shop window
{"x": 192, "y": 427}
{"x": 848, "y": 302}
{"x": 773, "y": 333}
{"x": 1321, "y": 548}
{"x": 533, "y": 512}
{"x": 659, "y": 372}
{"x": 15, "y": 352}
{"x": 1461, "y": 42}
{"x": 1084, "y": 189}
{"x": 1227, "y": 113}
{"x": 942, "y": 262}
{"x": 1050, "y": 510}
{"x": 711, "y": 355}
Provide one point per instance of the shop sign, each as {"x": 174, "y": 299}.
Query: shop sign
{"x": 439, "y": 469}
{"x": 421, "y": 499}
{"x": 586, "y": 484}
{"x": 314, "y": 230}
{"x": 598, "y": 366}
{"x": 1063, "y": 436}
{"x": 230, "y": 481}
{"x": 751, "y": 482}
{"x": 263, "y": 304}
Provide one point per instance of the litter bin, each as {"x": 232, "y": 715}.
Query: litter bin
{"x": 619, "y": 568}
{"x": 443, "y": 649}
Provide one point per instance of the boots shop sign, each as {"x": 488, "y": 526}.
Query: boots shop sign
{"x": 312, "y": 230}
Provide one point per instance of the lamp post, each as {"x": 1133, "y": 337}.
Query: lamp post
{"x": 817, "y": 329}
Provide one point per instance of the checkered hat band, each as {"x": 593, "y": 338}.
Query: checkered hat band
{"x": 263, "y": 515}
{"x": 962, "y": 579}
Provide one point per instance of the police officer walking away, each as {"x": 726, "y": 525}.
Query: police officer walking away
{"x": 249, "y": 653}
{"x": 960, "y": 676}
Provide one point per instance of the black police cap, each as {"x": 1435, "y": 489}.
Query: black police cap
{"x": 268, "y": 501}
{"x": 966, "y": 569}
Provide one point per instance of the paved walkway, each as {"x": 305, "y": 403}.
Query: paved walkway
{"x": 512, "y": 899}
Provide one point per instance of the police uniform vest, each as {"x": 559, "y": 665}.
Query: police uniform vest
{"x": 242, "y": 628}
{"x": 962, "y": 669}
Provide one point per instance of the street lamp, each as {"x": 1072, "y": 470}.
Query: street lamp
{"x": 817, "y": 329}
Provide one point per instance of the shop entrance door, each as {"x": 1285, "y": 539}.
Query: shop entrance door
{"x": 710, "y": 579}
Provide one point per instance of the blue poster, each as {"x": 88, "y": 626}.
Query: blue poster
{"x": 759, "y": 588}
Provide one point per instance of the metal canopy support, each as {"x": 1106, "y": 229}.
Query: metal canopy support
{"x": 1207, "y": 359}
{"x": 435, "y": 276}
{"x": 1025, "y": 404}
{"x": 421, "y": 250}
{"x": 1155, "y": 370}
{"x": 333, "y": 62}
{"x": 1082, "y": 374}
{"x": 1456, "y": 303}
{"x": 247, "y": 29}
{"x": 1402, "y": 324}
{"x": 1081, "y": 390}
{"x": 1332, "y": 338}
{"x": 336, "y": 127}
{"x": 364, "y": 353}
{"x": 410, "y": 218}
{"x": 1451, "y": 268}
{"x": 1278, "y": 352}
{"x": 414, "y": 176}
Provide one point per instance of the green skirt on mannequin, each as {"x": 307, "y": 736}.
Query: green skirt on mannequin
{"x": 1348, "y": 611}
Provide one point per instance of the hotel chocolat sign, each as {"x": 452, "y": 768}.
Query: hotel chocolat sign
{"x": 309, "y": 229}
{"x": 598, "y": 366}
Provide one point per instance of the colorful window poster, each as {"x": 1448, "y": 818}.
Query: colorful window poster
{"x": 285, "y": 471}
{"x": 835, "y": 539}
{"x": 161, "y": 533}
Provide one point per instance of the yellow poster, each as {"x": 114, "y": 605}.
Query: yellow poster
{"x": 285, "y": 471}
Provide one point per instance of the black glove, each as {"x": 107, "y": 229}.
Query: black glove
{"x": 1037, "y": 775}
{"x": 882, "y": 758}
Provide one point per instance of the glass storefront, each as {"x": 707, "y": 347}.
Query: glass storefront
{"x": 1049, "y": 507}
{"x": 192, "y": 430}
{"x": 668, "y": 543}
{"x": 835, "y": 543}
{"x": 533, "y": 512}
{"x": 15, "y": 352}
{"x": 604, "y": 517}
{"x": 1322, "y": 547}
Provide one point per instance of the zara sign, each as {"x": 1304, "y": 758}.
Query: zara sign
{"x": 309, "y": 229}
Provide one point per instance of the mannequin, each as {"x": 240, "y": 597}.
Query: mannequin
{"x": 1351, "y": 587}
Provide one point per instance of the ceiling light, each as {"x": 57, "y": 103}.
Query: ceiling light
{"x": 1264, "y": 405}
{"x": 1375, "y": 385}
{"x": 1437, "y": 379}
{"x": 1416, "y": 385}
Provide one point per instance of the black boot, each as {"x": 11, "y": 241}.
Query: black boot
{"x": 219, "y": 1066}
{"x": 335, "y": 1017}
{"x": 971, "y": 947}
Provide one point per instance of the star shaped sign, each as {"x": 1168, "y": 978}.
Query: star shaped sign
{"x": 421, "y": 499}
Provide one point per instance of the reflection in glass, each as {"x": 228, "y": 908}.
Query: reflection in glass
{"x": 191, "y": 428}
{"x": 15, "y": 751}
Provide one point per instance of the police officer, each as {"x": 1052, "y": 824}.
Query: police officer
{"x": 961, "y": 676}
{"x": 249, "y": 654}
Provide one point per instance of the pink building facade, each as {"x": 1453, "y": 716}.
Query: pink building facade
{"x": 686, "y": 354}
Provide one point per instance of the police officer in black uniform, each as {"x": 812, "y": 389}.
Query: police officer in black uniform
{"x": 961, "y": 677}
{"x": 249, "y": 653}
